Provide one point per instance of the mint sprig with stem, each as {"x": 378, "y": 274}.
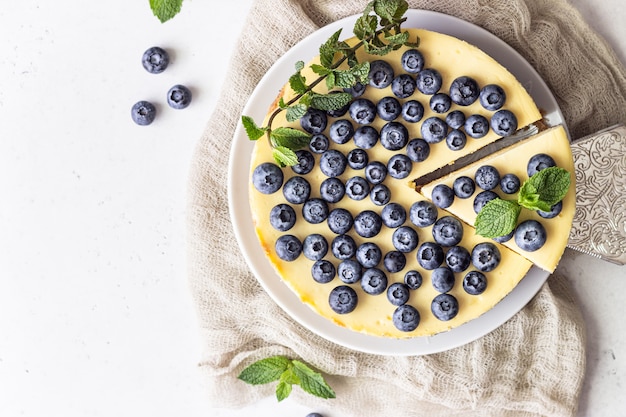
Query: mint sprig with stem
{"x": 541, "y": 191}
{"x": 379, "y": 32}
{"x": 287, "y": 372}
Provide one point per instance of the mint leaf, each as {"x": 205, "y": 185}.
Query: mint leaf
{"x": 328, "y": 50}
{"x": 497, "y": 218}
{"x": 330, "y": 101}
{"x": 284, "y": 156}
{"x": 265, "y": 370}
{"x": 295, "y": 112}
{"x": 320, "y": 69}
{"x": 285, "y": 384}
{"x": 365, "y": 26}
{"x": 390, "y": 11}
{"x": 544, "y": 189}
{"x": 398, "y": 39}
{"x": 164, "y": 10}
{"x": 290, "y": 138}
{"x": 312, "y": 382}
{"x": 253, "y": 131}
{"x": 283, "y": 390}
{"x": 297, "y": 82}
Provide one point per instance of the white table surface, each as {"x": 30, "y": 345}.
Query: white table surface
{"x": 95, "y": 315}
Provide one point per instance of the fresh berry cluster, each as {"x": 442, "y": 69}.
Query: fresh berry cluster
{"x": 155, "y": 60}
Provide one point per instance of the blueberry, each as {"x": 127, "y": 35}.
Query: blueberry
{"x": 448, "y": 231}
{"x": 267, "y": 178}
{"x": 406, "y": 318}
{"x": 510, "y": 183}
{"x": 343, "y": 299}
{"x": 428, "y": 81}
{"x": 413, "y": 279}
{"x": 398, "y": 294}
{"x": 323, "y": 271}
{"x": 341, "y": 131}
{"x": 412, "y": 111}
{"x": 349, "y": 271}
{"x": 178, "y": 97}
{"x": 505, "y": 238}
{"x": 434, "y": 130}
{"x": 492, "y": 97}
{"x": 554, "y": 211}
{"x": 394, "y": 261}
{"x": 314, "y": 415}
{"x": 538, "y": 162}
{"x": 297, "y": 190}
{"x": 442, "y": 279}
{"x": 357, "y": 158}
{"x": 464, "y": 187}
{"x": 143, "y": 113}
{"x": 374, "y": 281}
{"x": 440, "y": 103}
{"x": 393, "y": 215}
{"x": 530, "y": 235}
{"x": 356, "y": 90}
{"x": 444, "y": 307}
{"x": 443, "y": 196}
{"x": 464, "y": 91}
{"x": 341, "y": 110}
{"x": 504, "y": 123}
{"x": 423, "y": 213}
{"x": 314, "y": 121}
{"x": 487, "y": 177}
{"x": 474, "y": 283}
{"x": 340, "y": 221}
{"x": 380, "y": 194}
{"x": 155, "y": 60}
{"x": 485, "y": 256}
{"x": 381, "y": 74}
{"x": 458, "y": 259}
{"x": 357, "y": 188}
{"x": 332, "y": 190}
{"x": 333, "y": 163}
{"x": 483, "y": 198}
{"x": 282, "y": 217}
{"x": 319, "y": 143}
{"x": 456, "y": 140}
{"x": 399, "y": 166}
{"x": 418, "y": 150}
{"x": 412, "y": 61}
{"x": 375, "y": 172}
{"x": 476, "y": 126}
{"x": 365, "y": 137}
{"x": 388, "y": 108}
{"x": 394, "y": 136}
{"x": 403, "y": 86}
{"x": 305, "y": 164}
{"x": 369, "y": 255}
{"x": 430, "y": 255}
{"x": 288, "y": 247}
{"x": 367, "y": 223}
{"x": 362, "y": 111}
{"x": 315, "y": 210}
{"x": 455, "y": 119}
{"x": 314, "y": 247}
{"x": 343, "y": 247}
{"x": 404, "y": 239}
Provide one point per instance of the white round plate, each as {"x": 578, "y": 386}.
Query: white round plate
{"x": 239, "y": 169}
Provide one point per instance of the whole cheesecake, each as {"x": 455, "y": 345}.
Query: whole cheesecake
{"x": 345, "y": 228}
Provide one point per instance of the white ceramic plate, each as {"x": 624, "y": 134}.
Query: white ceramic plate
{"x": 239, "y": 166}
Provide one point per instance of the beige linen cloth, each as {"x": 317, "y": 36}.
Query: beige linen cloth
{"x": 531, "y": 366}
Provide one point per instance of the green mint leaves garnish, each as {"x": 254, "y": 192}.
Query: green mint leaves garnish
{"x": 164, "y": 10}
{"x": 287, "y": 372}
{"x": 540, "y": 192}
{"x": 389, "y": 15}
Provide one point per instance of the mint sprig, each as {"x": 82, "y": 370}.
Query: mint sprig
{"x": 540, "y": 192}
{"x": 164, "y": 10}
{"x": 389, "y": 15}
{"x": 287, "y": 372}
